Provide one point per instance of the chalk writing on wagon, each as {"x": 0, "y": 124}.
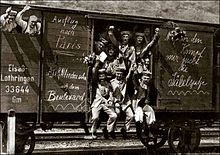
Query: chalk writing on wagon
{"x": 66, "y": 74}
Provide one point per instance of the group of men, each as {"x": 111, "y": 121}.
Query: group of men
{"x": 121, "y": 79}
{"x": 120, "y": 72}
{"x": 13, "y": 22}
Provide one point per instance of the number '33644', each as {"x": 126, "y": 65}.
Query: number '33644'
{"x": 17, "y": 89}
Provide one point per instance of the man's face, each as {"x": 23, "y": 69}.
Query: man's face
{"x": 111, "y": 52}
{"x": 147, "y": 62}
{"x": 139, "y": 39}
{"x": 10, "y": 19}
{"x": 33, "y": 24}
{"x": 119, "y": 75}
{"x": 145, "y": 79}
{"x": 125, "y": 39}
{"x": 102, "y": 76}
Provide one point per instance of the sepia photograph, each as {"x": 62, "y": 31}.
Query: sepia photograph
{"x": 110, "y": 77}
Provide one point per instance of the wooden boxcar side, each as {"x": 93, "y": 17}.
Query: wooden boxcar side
{"x": 45, "y": 74}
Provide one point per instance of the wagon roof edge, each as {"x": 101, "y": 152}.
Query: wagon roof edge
{"x": 93, "y": 14}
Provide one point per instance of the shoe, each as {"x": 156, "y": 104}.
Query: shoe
{"x": 94, "y": 137}
{"x": 105, "y": 133}
{"x": 90, "y": 137}
{"x": 112, "y": 134}
{"x": 124, "y": 134}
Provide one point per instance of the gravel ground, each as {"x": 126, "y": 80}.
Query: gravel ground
{"x": 99, "y": 143}
{"x": 88, "y": 144}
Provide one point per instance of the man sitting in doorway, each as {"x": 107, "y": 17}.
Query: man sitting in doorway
{"x": 121, "y": 98}
{"x": 143, "y": 111}
{"x": 103, "y": 100}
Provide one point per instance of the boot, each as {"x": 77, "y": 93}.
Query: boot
{"x": 105, "y": 133}
{"x": 112, "y": 134}
{"x": 139, "y": 129}
{"x": 124, "y": 134}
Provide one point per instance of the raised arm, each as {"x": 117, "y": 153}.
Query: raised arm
{"x": 19, "y": 16}
{"x": 151, "y": 44}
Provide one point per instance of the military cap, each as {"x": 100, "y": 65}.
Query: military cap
{"x": 101, "y": 71}
{"x": 126, "y": 33}
{"x": 12, "y": 14}
{"x": 146, "y": 72}
{"x": 139, "y": 34}
{"x": 120, "y": 69}
{"x": 33, "y": 18}
{"x": 111, "y": 46}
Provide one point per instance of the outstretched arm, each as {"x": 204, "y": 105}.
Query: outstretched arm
{"x": 19, "y": 19}
{"x": 151, "y": 44}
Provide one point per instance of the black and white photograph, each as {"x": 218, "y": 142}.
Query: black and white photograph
{"x": 110, "y": 77}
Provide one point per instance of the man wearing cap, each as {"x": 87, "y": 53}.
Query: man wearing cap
{"x": 100, "y": 50}
{"x": 143, "y": 48}
{"x": 139, "y": 42}
{"x": 111, "y": 63}
{"x": 126, "y": 51}
{"x": 103, "y": 100}
{"x": 8, "y": 23}
{"x": 141, "y": 101}
{"x": 31, "y": 27}
{"x": 121, "y": 98}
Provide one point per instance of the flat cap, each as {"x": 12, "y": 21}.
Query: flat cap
{"x": 126, "y": 33}
{"x": 146, "y": 72}
{"x": 120, "y": 69}
{"x": 12, "y": 14}
{"x": 139, "y": 34}
{"x": 101, "y": 71}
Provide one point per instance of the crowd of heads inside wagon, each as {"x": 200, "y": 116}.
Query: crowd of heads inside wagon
{"x": 123, "y": 60}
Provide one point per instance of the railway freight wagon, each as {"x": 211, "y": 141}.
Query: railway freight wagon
{"x": 44, "y": 77}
